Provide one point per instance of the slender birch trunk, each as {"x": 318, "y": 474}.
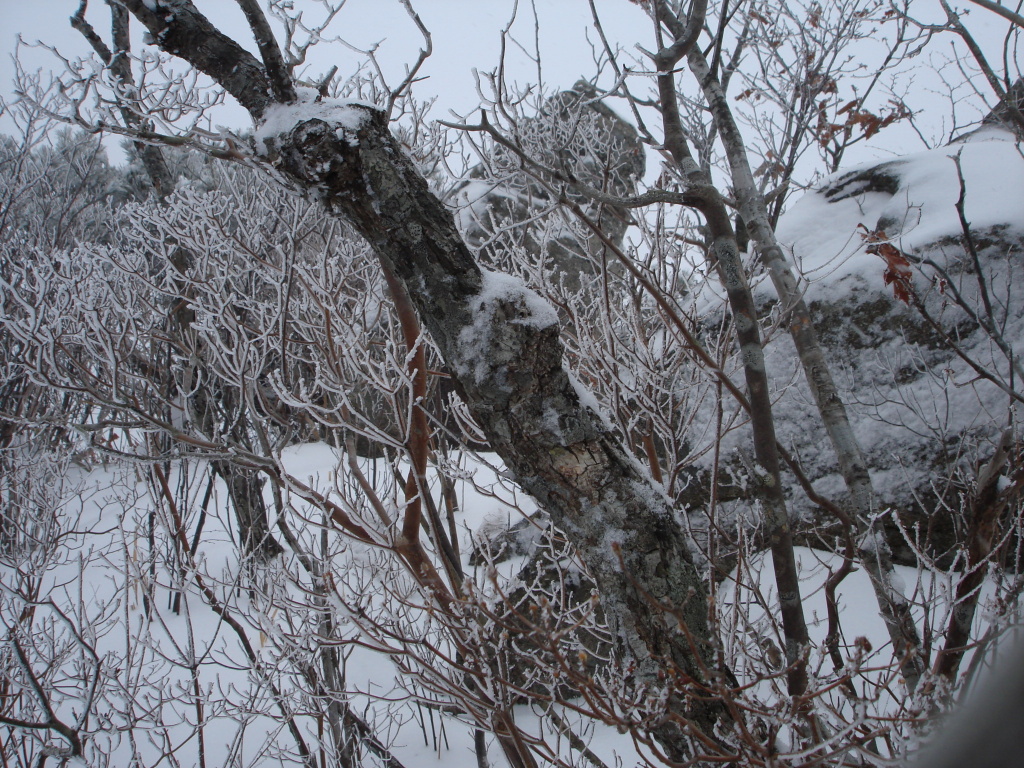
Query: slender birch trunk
{"x": 874, "y": 552}
{"x": 723, "y": 254}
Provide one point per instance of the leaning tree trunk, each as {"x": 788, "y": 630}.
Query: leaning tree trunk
{"x": 505, "y": 352}
{"x": 723, "y": 253}
{"x": 502, "y": 342}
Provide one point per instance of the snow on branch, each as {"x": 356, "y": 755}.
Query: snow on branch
{"x": 347, "y": 114}
{"x": 475, "y": 340}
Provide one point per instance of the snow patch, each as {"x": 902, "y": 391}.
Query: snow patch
{"x": 475, "y": 339}
{"x": 825, "y": 229}
{"x": 347, "y": 115}
{"x": 587, "y": 398}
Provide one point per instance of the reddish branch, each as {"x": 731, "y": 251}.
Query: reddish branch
{"x": 417, "y": 445}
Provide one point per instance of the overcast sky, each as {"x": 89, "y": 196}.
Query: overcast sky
{"x": 466, "y": 35}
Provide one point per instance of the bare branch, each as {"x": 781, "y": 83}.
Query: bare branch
{"x": 277, "y": 72}
{"x": 424, "y": 54}
{"x": 1008, "y": 14}
{"x": 79, "y": 22}
{"x": 685, "y": 35}
{"x": 183, "y": 31}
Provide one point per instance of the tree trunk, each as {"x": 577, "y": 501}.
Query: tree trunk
{"x": 503, "y": 346}
{"x": 874, "y": 554}
{"x": 723, "y": 254}
{"x": 507, "y": 359}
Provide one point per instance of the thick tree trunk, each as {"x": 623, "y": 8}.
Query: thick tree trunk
{"x": 504, "y": 349}
{"x": 503, "y": 345}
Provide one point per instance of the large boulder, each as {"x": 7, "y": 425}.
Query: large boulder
{"x": 502, "y": 208}
{"x": 921, "y": 317}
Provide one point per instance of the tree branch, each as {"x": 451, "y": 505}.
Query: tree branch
{"x": 1002, "y": 10}
{"x": 277, "y": 72}
{"x": 183, "y": 31}
{"x": 686, "y": 36}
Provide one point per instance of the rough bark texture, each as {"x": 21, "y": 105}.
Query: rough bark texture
{"x": 510, "y": 369}
{"x": 513, "y": 378}
{"x": 180, "y": 29}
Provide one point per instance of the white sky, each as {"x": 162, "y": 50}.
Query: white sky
{"x": 466, "y": 35}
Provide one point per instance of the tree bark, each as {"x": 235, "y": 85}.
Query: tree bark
{"x": 509, "y": 367}
{"x": 508, "y": 362}
{"x": 874, "y": 552}
{"x": 724, "y": 256}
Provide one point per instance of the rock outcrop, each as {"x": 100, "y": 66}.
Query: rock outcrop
{"x": 923, "y": 317}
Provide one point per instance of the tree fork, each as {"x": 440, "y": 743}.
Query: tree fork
{"x": 724, "y": 257}
{"x": 874, "y": 554}
{"x": 579, "y": 473}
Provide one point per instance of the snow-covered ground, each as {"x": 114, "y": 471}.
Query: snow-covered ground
{"x": 154, "y": 676}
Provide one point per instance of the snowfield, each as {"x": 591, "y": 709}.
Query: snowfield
{"x": 146, "y": 676}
